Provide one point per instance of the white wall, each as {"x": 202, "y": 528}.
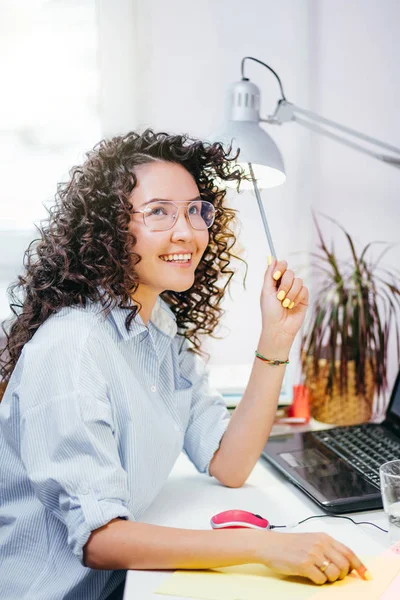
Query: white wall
{"x": 190, "y": 52}
{"x": 357, "y": 83}
{"x": 118, "y": 62}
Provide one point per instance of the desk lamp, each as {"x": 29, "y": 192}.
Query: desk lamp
{"x": 259, "y": 155}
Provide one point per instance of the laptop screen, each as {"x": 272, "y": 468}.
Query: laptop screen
{"x": 394, "y": 408}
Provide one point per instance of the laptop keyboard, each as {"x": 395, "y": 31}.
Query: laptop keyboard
{"x": 364, "y": 448}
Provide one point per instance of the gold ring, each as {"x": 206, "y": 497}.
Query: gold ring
{"x": 324, "y": 565}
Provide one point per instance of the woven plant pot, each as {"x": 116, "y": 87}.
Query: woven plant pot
{"x": 347, "y": 408}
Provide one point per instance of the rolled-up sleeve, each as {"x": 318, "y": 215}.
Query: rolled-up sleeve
{"x": 209, "y": 416}
{"x": 71, "y": 457}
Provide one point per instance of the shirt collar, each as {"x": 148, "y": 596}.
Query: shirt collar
{"x": 161, "y": 317}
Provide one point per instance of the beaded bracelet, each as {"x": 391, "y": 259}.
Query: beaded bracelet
{"x": 269, "y": 361}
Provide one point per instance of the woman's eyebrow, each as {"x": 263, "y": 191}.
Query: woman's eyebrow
{"x": 168, "y": 200}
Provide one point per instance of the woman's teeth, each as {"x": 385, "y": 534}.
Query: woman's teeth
{"x": 171, "y": 257}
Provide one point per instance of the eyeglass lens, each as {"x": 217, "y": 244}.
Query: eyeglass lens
{"x": 161, "y": 215}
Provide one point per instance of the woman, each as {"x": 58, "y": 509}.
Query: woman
{"x": 105, "y": 386}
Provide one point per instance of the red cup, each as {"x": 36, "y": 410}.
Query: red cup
{"x": 300, "y": 407}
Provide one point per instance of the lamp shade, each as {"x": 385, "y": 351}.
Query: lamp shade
{"x": 242, "y": 131}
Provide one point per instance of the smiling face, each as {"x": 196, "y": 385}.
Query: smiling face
{"x": 157, "y": 270}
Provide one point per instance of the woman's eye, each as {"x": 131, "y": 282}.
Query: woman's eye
{"x": 194, "y": 210}
{"x": 157, "y": 212}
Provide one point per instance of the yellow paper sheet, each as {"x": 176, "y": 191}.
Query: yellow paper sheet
{"x": 256, "y": 582}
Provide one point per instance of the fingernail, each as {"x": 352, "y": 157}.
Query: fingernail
{"x": 364, "y": 573}
{"x": 291, "y": 305}
{"x": 277, "y": 275}
{"x": 270, "y": 259}
{"x": 281, "y": 295}
{"x": 286, "y": 303}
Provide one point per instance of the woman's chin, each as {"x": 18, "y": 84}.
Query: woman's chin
{"x": 179, "y": 289}
{"x": 180, "y": 286}
{"x": 180, "y": 283}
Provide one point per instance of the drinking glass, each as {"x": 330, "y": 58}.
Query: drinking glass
{"x": 390, "y": 489}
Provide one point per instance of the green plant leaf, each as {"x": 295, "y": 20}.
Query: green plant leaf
{"x": 351, "y": 244}
{"x": 357, "y": 309}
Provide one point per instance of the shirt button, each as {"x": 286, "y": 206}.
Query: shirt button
{"x": 153, "y": 388}
{"x": 176, "y": 427}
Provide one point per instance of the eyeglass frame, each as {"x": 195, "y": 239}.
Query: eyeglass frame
{"x": 174, "y": 202}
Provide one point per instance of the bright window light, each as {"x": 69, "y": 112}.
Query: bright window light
{"x": 49, "y": 113}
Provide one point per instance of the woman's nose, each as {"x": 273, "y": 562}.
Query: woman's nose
{"x": 182, "y": 229}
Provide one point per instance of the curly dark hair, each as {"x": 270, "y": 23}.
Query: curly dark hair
{"x": 85, "y": 251}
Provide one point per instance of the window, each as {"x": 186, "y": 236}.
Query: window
{"x": 49, "y": 115}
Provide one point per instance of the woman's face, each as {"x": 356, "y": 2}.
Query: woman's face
{"x": 166, "y": 181}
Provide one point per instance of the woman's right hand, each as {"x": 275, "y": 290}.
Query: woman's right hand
{"x": 314, "y": 555}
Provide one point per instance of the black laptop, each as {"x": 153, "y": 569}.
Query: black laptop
{"x": 339, "y": 468}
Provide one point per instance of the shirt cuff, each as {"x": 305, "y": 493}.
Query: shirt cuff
{"x": 91, "y": 514}
{"x": 214, "y": 443}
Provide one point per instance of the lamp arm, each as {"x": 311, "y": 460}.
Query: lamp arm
{"x": 286, "y": 111}
{"x": 262, "y": 212}
{"x": 383, "y": 157}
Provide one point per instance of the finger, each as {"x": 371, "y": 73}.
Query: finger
{"x": 340, "y": 561}
{"x": 355, "y": 562}
{"x": 269, "y": 282}
{"x": 279, "y": 269}
{"x": 276, "y": 267}
{"x": 285, "y": 284}
{"x": 292, "y": 292}
{"x": 301, "y": 298}
{"x": 313, "y": 573}
{"x": 332, "y": 572}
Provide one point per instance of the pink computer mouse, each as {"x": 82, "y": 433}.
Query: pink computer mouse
{"x": 236, "y": 519}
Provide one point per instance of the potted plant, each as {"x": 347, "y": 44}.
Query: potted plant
{"x": 344, "y": 347}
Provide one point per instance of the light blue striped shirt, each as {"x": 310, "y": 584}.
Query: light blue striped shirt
{"x": 91, "y": 424}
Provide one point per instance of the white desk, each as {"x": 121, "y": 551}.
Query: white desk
{"x": 189, "y": 500}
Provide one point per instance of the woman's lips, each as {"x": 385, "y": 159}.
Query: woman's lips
{"x": 178, "y": 263}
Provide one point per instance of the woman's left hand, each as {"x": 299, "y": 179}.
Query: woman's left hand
{"x": 284, "y": 301}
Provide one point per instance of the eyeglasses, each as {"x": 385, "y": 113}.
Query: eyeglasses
{"x": 161, "y": 215}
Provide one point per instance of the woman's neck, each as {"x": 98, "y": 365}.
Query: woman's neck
{"x": 147, "y": 299}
